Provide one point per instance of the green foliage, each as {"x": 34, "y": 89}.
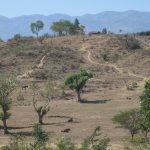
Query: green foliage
{"x": 39, "y": 143}
{"x": 129, "y": 120}
{"x": 94, "y": 142}
{"x": 104, "y": 31}
{"x": 62, "y": 27}
{"x": 131, "y": 43}
{"x": 36, "y": 27}
{"x": 138, "y": 146}
{"x": 20, "y": 97}
{"x": 65, "y": 144}
{"x": 145, "y": 109}
{"x": 16, "y": 143}
{"x": 39, "y": 134}
{"x": 132, "y": 86}
{"x": 47, "y": 95}
{"x": 7, "y": 86}
{"x": 1, "y": 40}
{"x": 65, "y": 27}
{"x": 76, "y": 23}
{"x": 105, "y": 55}
{"x": 78, "y": 80}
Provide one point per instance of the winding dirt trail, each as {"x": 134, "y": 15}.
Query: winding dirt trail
{"x": 31, "y": 71}
{"x": 85, "y": 47}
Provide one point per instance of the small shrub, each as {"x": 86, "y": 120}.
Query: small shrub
{"x": 105, "y": 55}
{"x": 16, "y": 143}
{"x": 94, "y": 142}
{"x": 132, "y": 86}
{"x": 131, "y": 43}
{"x": 20, "y": 97}
{"x": 65, "y": 144}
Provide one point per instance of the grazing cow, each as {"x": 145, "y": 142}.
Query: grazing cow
{"x": 24, "y": 87}
{"x": 66, "y": 130}
{"x": 70, "y": 120}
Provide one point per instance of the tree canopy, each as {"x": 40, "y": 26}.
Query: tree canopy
{"x": 65, "y": 27}
{"x": 36, "y": 27}
{"x": 77, "y": 81}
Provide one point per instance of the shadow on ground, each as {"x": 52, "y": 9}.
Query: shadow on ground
{"x": 94, "y": 101}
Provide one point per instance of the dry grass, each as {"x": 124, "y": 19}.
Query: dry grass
{"x": 65, "y": 55}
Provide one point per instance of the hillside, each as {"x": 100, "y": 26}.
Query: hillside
{"x": 114, "y": 67}
{"x": 128, "y": 21}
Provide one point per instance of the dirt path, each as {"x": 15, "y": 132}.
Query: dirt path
{"x": 31, "y": 71}
{"x": 85, "y": 47}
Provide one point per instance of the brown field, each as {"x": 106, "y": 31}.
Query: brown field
{"x": 106, "y": 93}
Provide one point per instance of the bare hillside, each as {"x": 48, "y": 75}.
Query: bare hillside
{"x": 114, "y": 65}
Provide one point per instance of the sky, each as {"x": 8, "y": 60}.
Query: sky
{"x": 14, "y": 8}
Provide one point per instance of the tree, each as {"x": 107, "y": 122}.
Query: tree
{"x": 7, "y": 86}
{"x": 77, "y": 81}
{"x": 36, "y": 27}
{"x": 145, "y": 109}
{"x": 129, "y": 120}
{"x": 48, "y": 94}
{"x": 104, "y": 31}
{"x": 76, "y": 23}
{"x": 1, "y": 40}
{"x": 65, "y": 27}
{"x": 62, "y": 27}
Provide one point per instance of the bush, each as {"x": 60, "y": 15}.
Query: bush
{"x": 132, "y": 86}
{"x": 16, "y": 143}
{"x": 93, "y": 142}
{"x": 131, "y": 43}
{"x": 20, "y": 97}
{"x": 65, "y": 144}
{"x": 129, "y": 120}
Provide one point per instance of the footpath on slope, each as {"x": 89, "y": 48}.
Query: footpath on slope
{"x": 85, "y": 47}
{"x": 28, "y": 73}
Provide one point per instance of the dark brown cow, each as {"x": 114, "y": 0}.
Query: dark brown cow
{"x": 24, "y": 87}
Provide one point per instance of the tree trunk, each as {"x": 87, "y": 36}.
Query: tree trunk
{"x": 78, "y": 96}
{"x": 5, "y": 127}
{"x": 146, "y": 136}
{"x": 132, "y": 135}
{"x": 40, "y": 119}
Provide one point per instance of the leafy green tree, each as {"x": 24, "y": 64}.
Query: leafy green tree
{"x": 62, "y": 27}
{"x": 65, "y": 27}
{"x": 7, "y": 86}
{"x": 77, "y": 81}
{"x": 48, "y": 94}
{"x": 76, "y": 23}
{"x": 1, "y": 40}
{"x": 36, "y": 27}
{"x": 129, "y": 120}
{"x": 145, "y": 109}
{"x": 104, "y": 31}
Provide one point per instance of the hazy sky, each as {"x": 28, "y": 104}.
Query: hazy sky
{"x": 11, "y": 8}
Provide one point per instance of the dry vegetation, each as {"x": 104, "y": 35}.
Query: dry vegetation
{"x": 115, "y": 69}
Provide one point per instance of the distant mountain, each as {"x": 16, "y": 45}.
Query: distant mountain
{"x": 128, "y": 21}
